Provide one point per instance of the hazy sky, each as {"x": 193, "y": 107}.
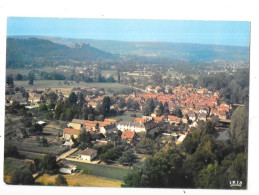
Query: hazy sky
{"x": 204, "y": 32}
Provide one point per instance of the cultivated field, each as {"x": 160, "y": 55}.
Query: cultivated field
{"x": 30, "y": 147}
{"x": 111, "y": 172}
{"x": 79, "y": 179}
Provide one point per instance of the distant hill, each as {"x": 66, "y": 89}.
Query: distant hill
{"x": 185, "y": 51}
{"x": 39, "y": 52}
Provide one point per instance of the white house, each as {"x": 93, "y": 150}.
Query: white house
{"x": 132, "y": 126}
{"x": 88, "y": 154}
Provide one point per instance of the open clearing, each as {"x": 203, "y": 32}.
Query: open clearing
{"x": 56, "y": 84}
{"x": 79, "y": 179}
{"x": 126, "y": 116}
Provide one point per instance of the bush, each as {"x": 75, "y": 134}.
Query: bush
{"x": 48, "y": 163}
{"x": 10, "y": 151}
{"x": 23, "y": 177}
{"x": 60, "y": 181}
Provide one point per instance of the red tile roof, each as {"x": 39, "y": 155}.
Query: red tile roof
{"x": 127, "y": 134}
{"x": 72, "y": 131}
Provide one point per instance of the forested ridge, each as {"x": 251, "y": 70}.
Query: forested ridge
{"x": 39, "y": 53}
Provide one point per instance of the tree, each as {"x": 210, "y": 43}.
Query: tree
{"x": 10, "y": 150}
{"x": 160, "y": 109}
{"x": 119, "y": 77}
{"x": 149, "y": 107}
{"x": 72, "y": 98}
{"x": 239, "y": 124}
{"x": 166, "y": 109}
{"x": 145, "y": 146}
{"x": 23, "y": 177}
{"x": 177, "y": 111}
{"x": 60, "y": 180}
{"x": 91, "y": 117}
{"x": 81, "y": 99}
{"x": 212, "y": 177}
{"x": 44, "y": 142}
{"x": 59, "y": 110}
{"x": 48, "y": 163}
{"x": 121, "y": 102}
{"x": 100, "y": 118}
{"x": 30, "y": 78}
{"x": 9, "y": 80}
{"x": 43, "y": 107}
{"x": 127, "y": 158}
{"x": 135, "y": 106}
{"x": 238, "y": 168}
{"x": 105, "y": 108}
{"x": 191, "y": 142}
{"x": 162, "y": 170}
{"x": 19, "y": 77}
{"x": 85, "y": 137}
{"x": 111, "y": 155}
{"x": 52, "y": 96}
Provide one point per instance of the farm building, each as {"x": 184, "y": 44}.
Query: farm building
{"x": 68, "y": 169}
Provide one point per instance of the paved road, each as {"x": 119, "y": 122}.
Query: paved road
{"x": 64, "y": 155}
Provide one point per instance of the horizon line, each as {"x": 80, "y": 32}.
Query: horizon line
{"x": 130, "y": 41}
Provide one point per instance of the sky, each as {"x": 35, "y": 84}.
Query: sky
{"x": 234, "y": 33}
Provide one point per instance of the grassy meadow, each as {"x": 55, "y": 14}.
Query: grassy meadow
{"x": 56, "y": 84}
{"x": 80, "y": 179}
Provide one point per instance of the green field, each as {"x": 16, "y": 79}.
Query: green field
{"x": 54, "y": 84}
{"x": 106, "y": 171}
{"x": 126, "y": 116}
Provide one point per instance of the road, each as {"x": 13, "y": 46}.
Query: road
{"x": 64, "y": 155}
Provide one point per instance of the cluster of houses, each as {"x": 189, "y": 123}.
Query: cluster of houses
{"x": 35, "y": 97}
{"x": 195, "y": 104}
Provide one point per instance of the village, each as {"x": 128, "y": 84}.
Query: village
{"x": 177, "y": 112}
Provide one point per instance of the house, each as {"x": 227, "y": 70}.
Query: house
{"x": 68, "y": 169}
{"x": 158, "y": 89}
{"x": 88, "y": 154}
{"x": 202, "y": 116}
{"x": 68, "y": 132}
{"x": 202, "y": 91}
{"x": 76, "y": 124}
{"x": 185, "y": 119}
{"x": 105, "y": 127}
{"x": 108, "y": 129}
{"x": 128, "y": 135}
{"x": 191, "y": 115}
{"x": 174, "y": 119}
{"x": 93, "y": 104}
{"x": 133, "y": 126}
{"x": 158, "y": 119}
{"x": 149, "y": 88}
{"x": 42, "y": 123}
